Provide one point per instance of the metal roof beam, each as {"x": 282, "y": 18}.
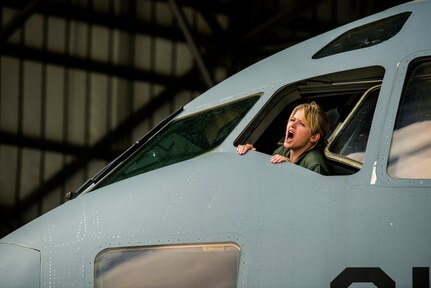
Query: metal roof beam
{"x": 18, "y": 20}
{"x": 36, "y": 143}
{"x": 283, "y": 17}
{"x": 105, "y": 19}
{"x": 73, "y": 62}
{"x": 176, "y": 10}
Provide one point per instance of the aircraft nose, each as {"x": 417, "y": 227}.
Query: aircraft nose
{"x": 19, "y": 266}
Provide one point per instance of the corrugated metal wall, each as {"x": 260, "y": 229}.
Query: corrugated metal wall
{"x": 66, "y": 83}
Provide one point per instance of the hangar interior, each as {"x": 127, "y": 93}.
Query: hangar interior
{"x": 82, "y": 80}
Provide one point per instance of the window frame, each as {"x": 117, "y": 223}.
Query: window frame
{"x": 338, "y": 132}
{"x": 109, "y": 177}
{"x": 359, "y": 37}
{"x": 334, "y": 84}
{"x": 136, "y": 254}
{"x": 410, "y": 69}
{"x": 381, "y": 165}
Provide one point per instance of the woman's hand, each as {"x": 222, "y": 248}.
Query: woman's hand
{"x": 279, "y": 158}
{"x": 242, "y": 149}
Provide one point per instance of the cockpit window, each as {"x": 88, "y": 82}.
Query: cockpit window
{"x": 349, "y": 99}
{"x": 183, "y": 139}
{"x": 350, "y": 139}
{"x": 365, "y": 36}
{"x": 410, "y": 153}
{"x": 179, "y": 266}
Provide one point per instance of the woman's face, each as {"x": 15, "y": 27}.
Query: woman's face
{"x": 298, "y": 133}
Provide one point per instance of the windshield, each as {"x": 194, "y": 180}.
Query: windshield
{"x": 183, "y": 139}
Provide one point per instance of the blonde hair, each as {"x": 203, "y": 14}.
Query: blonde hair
{"x": 317, "y": 119}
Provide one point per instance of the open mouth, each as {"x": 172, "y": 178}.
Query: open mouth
{"x": 289, "y": 135}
